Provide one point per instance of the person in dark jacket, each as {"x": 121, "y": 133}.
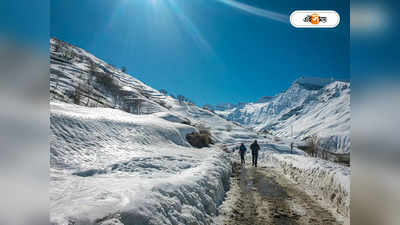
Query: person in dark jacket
{"x": 254, "y": 152}
{"x": 291, "y": 148}
{"x": 242, "y": 151}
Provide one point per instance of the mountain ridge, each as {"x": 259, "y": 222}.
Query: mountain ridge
{"x": 312, "y": 105}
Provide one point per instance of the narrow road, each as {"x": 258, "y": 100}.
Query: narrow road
{"x": 266, "y": 197}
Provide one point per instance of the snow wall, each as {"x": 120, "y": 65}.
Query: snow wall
{"x": 323, "y": 178}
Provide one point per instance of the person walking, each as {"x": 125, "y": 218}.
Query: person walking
{"x": 242, "y": 151}
{"x": 254, "y": 152}
{"x": 291, "y": 147}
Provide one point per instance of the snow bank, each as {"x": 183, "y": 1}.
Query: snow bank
{"x": 111, "y": 167}
{"x": 171, "y": 117}
{"x": 320, "y": 177}
{"x": 191, "y": 198}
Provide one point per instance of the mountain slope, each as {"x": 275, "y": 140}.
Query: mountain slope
{"x": 310, "y": 106}
{"x": 118, "y": 148}
{"x": 78, "y": 77}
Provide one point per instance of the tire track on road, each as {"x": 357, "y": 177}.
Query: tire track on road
{"x": 269, "y": 198}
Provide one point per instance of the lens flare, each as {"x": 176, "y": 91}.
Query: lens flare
{"x": 257, "y": 11}
{"x": 191, "y": 28}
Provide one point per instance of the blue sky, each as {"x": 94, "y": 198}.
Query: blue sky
{"x": 27, "y": 25}
{"x": 207, "y": 50}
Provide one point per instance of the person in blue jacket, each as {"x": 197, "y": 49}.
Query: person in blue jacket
{"x": 242, "y": 151}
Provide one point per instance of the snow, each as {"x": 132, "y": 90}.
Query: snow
{"x": 225, "y": 113}
{"x": 108, "y": 166}
{"x": 227, "y": 206}
{"x": 310, "y": 106}
{"x": 326, "y": 182}
{"x": 330, "y": 181}
{"x": 111, "y": 165}
{"x": 67, "y": 75}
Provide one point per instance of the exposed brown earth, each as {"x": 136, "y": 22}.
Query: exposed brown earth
{"x": 267, "y": 197}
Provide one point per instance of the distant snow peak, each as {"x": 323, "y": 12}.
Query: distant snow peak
{"x": 265, "y": 99}
{"x": 311, "y": 105}
{"x": 314, "y": 80}
{"x": 225, "y": 106}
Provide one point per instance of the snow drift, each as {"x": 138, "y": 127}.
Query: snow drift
{"x": 322, "y": 178}
{"x": 112, "y": 167}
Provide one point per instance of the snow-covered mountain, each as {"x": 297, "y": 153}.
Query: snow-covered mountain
{"x": 224, "y": 106}
{"x": 77, "y": 77}
{"x": 119, "y": 152}
{"x": 265, "y": 99}
{"x": 309, "y": 106}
